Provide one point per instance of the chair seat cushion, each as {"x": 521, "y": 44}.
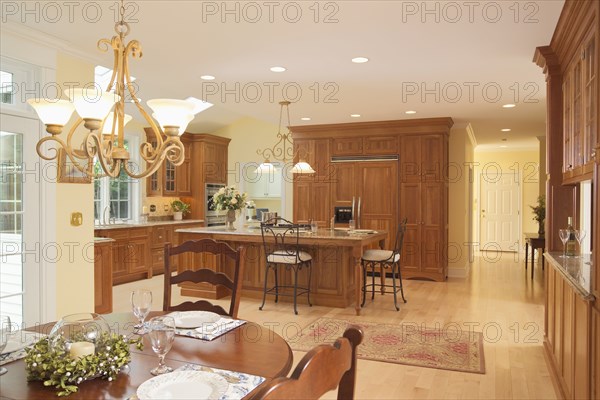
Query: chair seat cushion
{"x": 285, "y": 257}
{"x": 380, "y": 255}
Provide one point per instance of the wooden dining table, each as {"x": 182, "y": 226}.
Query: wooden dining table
{"x": 250, "y": 348}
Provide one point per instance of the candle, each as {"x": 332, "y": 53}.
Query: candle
{"x": 81, "y": 349}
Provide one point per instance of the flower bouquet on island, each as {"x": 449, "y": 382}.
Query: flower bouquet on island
{"x": 229, "y": 199}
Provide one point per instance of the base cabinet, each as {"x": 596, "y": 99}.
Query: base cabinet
{"x": 103, "y": 262}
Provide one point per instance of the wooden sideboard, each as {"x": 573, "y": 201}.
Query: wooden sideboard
{"x": 397, "y": 168}
{"x": 570, "y": 65}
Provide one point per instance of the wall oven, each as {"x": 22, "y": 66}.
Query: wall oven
{"x": 212, "y": 217}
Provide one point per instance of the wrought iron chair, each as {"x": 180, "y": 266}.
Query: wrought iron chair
{"x": 384, "y": 259}
{"x": 322, "y": 369}
{"x": 205, "y": 275}
{"x": 280, "y": 241}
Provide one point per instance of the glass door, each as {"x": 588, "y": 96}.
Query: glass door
{"x": 20, "y": 225}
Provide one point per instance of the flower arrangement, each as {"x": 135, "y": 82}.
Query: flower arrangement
{"x": 229, "y": 198}
{"x": 52, "y": 364}
{"x": 250, "y": 204}
{"x": 180, "y": 206}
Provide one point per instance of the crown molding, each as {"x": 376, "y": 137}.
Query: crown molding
{"x": 471, "y": 134}
{"x": 33, "y": 35}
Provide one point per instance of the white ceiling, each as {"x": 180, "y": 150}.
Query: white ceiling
{"x": 408, "y": 50}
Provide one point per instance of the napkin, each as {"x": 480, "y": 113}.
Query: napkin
{"x": 17, "y": 342}
{"x": 211, "y": 331}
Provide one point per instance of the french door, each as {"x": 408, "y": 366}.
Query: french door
{"x": 21, "y": 250}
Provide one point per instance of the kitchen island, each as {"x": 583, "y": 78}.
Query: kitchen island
{"x": 336, "y": 275}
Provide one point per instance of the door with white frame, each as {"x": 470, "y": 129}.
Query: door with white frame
{"x": 499, "y": 212}
{"x": 20, "y": 224}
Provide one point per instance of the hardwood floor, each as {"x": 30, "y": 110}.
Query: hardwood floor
{"x": 498, "y": 299}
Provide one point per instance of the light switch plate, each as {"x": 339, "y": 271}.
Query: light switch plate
{"x": 76, "y": 219}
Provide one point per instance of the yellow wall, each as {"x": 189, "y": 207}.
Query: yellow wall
{"x": 75, "y": 269}
{"x": 527, "y": 164}
{"x": 247, "y": 136}
{"x": 460, "y": 158}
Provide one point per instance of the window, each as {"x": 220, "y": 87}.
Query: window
{"x": 115, "y": 195}
{"x": 6, "y": 88}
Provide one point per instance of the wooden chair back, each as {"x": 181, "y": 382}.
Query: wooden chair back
{"x": 205, "y": 275}
{"x": 400, "y": 236}
{"x": 322, "y": 369}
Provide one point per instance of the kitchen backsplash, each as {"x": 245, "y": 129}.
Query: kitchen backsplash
{"x": 160, "y": 205}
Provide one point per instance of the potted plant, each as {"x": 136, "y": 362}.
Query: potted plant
{"x": 539, "y": 213}
{"x": 179, "y": 208}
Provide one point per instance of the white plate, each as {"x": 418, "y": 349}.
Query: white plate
{"x": 183, "y": 385}
{"x": 194, "y": 319}
{"x": 19, "y": 340}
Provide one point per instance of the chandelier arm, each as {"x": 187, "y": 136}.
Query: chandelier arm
{"x": 54, "y": 149}
{"x": 109, "y": 166}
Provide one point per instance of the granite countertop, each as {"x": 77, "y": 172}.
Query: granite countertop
{"x": 338, "y": 233}
{"x": 576, "y": 271}
{"x": 147, "y": 224}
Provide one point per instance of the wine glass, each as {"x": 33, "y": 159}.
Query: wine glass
{"x": 5, "y": 329}
{"x": 580, "y": 235}
{"x": 564, "y": 236}
{"x": 141, "y": 302}
{"x": 162, "y": 335}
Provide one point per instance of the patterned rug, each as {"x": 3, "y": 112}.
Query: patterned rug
{"x": 444, "y": 348}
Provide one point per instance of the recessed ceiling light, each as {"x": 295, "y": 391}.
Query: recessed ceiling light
{"x": 277, "y": 69}
{"x": 410, "y": 112}
{"x": 505, "y": 130}
{"x": 305, "y": 118}
{"x": 510, "y": 105}
{"x": 355, "y": 115}
{"x": 504, "y": 139}
{"x": 207, "y": 77}
{"x": 504, "y": 146}
{"x": 199, "y": 105}
{"x": 360, "y": 60}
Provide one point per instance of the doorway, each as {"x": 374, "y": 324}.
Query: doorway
{"x": 499, "y": 212}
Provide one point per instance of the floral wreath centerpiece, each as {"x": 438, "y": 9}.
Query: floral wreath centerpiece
{"x": 80, "y": 347}
{"x": 230, "y": 199}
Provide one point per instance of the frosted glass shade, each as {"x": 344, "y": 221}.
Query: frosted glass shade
{"x": 170, "y": 112}
{"x": 302, "y": 167}
{"x": 265, "y": 168}
{"x": 108, "y": 123}
{"x": 52, "y": 112}
{"x": 92, "y": 103}
{"x": 185, "y": 122}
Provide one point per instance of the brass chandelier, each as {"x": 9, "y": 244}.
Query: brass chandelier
{"x": 105, "y": 141}
{"x": 283, "y": 150}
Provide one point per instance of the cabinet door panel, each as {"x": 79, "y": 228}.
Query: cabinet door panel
{"x": 380, "y": 145}
{"x": 137, "y": 256}
{"x": 320, "y": 204}
{"x": 432, "y": 158}
{"x": 567, "y": 339}
{"x": 321, "y": 159}
{"x": 378, "y": 183}
{"x": 347, "y": 146}
{"x": 595, "y": 354}
{"x": 344, "y": 184}
{"x": 410, "y": 208}
{"x": 432, "y": 250}
{"x": 582, "y": 349}
{"x": 302, "y": 202}
{"x": 410, "y": 159}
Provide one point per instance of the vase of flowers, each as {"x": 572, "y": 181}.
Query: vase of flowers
{"x": 231, "y": 200}
{"x": 539, "y": 213}
{"x": 250, "y": 210}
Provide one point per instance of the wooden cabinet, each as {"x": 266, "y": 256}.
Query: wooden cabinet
{"x": 312, "y": 193}
{"x": 424, "y": 201}
{"x": 369, "y": 145}
{"x": 595, "y": 354}
{"x": 130, "y": 254}
{"x": 266, "y": 186}
{"x": 103, "y": 262}
{"x": 160, "y": 235}
{"x": 170, "y": 180}
{"x": 375, "y": 183}
{"x": 580, "y": 111}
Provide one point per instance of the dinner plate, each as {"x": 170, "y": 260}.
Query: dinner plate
{"x": 183, "y": 385}
{"x": 194, "y": 319}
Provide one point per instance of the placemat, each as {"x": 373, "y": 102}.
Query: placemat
{"x": 17, "y": 342}
{"x": 211, "y": 331}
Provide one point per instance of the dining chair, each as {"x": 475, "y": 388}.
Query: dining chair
{"x": 324, "y": 368}
{"x": 206, "y": 275}
{"x": 384, "y": 259}
{"x": 281, "y": 248}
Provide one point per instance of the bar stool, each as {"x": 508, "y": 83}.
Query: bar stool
{"x": 280, "y": 241}
{"x": 384, "y": 259}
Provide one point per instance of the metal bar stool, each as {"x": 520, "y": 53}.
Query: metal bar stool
{"x": 280, "y": 241}
{"x": 384, "y": 259}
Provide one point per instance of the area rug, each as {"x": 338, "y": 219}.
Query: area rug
{"x": 447, "y": 348}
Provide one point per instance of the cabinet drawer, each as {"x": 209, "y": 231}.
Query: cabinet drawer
{"x": 138, "y": 233}
{"x": 158, "y": 258}
{"x": 161, "y": 235}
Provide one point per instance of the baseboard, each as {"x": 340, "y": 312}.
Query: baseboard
{"x": 461, "y": 272}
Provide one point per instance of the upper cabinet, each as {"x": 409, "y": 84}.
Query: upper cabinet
{"x": 170, "y": 180}
{"x": 370, "y": 145}
{"x": 266, "y": 185}
{"x": 580, "y": 111}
